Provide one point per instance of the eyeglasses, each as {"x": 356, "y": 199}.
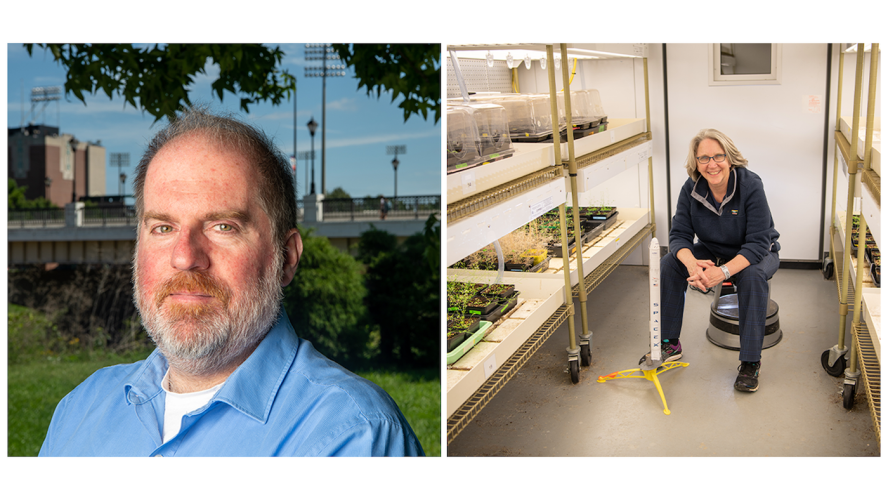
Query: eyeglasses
{"x": 703, "y": 160}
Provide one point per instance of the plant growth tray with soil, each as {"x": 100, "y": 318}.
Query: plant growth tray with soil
{"x": 460, "y": 328}
{"x": 498, "y": 290}
{"x": 470, "y": 342}
{"x": 504, "y": 305}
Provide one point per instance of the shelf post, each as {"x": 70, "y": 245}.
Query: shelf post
{"x": 556, "y": 142}
{"x": 870, "y": 108}
{"x": 832, "y": 219}
{"x": 575, "y": 210}
{"x": 852, "y": 179}
{"x": 853, "y": 371}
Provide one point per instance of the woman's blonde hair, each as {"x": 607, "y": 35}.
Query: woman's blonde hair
{"x": 735, "y": 159}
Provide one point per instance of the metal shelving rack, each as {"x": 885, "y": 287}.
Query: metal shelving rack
{"x": 491, "y": 202}
{"x": 859, "y": 361}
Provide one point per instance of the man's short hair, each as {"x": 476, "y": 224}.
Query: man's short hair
{"x": 276, "y": 191}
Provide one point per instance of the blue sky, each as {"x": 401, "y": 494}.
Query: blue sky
{"x": 359, "y": 127}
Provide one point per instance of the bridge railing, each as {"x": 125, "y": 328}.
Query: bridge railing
{"x": 337, "y": 209}
{"x": 402, "y": 207}
{"x": 109, "y": 216}
{"x": 43, "y": 217}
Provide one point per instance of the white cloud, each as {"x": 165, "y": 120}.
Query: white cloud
{"x": 344, "y": 104}
{"x": 378, "y": 139}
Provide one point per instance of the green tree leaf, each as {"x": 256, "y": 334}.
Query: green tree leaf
{"x": 156, "y": 79}
{"x": 411, "y": 71}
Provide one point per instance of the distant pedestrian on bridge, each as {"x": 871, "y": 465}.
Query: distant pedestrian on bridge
{"x": 383, "y": 207}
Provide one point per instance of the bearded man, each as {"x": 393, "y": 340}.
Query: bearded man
{"x": 216, "y": 242}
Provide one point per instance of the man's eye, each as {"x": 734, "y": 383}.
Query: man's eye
{"x": 225, "y": 227}
{"x": 163, "y": 229}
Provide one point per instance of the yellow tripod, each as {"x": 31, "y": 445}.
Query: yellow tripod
{"x": 649, "y": 371}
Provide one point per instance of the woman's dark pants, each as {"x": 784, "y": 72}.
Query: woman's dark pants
{"x": 752, "y": 291}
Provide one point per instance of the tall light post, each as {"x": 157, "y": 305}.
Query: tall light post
{"x": 323, "y": 52}
{"x": 120, "y": 160}
{"x": 294, "y": 121}
{"x": 312, "y": 126}
{"x": 395, "y": 150}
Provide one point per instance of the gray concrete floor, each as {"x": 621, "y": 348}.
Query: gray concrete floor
{"x": 796, "y": 412}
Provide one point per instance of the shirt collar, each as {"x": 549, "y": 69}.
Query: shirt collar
{"x": 701, "y": 192}
{"x": 252, "y": 387}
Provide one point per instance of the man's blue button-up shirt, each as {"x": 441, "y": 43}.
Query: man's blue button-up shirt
{"x": 286, "y": 399}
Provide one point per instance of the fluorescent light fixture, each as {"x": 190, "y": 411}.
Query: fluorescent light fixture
{"x": 593, "y": 53}
{"x": 518, "y": 55}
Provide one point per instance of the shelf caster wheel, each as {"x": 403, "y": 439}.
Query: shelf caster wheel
{"x": 575, "y": 371}
{"x": 586, "y": 355}
{"x": 835, "y": 370}
{"x": 848, "y": 396}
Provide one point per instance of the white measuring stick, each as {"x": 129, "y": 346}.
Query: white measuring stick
{"x": 654, "y": 269}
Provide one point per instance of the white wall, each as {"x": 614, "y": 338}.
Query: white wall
{"x": 772, "y": 125}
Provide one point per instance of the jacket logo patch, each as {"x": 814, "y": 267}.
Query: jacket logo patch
{"x": 735, "y": 212}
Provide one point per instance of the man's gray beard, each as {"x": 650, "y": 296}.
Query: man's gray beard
{"x": 217, "y": 338}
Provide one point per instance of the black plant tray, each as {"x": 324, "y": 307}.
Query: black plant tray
{"x": 877, "y": 275}
{"x": 519, "y": 267}
{"x": 456, "y": 339}
{"x": 873, "y": 253}
{"x": 526, "y": 137}
{"x": 505, "y": 305}
{"x": 475, "y": 310}
{"x": 542, "y": 266}
{"x": 579, "y": 133}
{"x": 474, "y": 324}
{"x": 554, "y": 247}
{"x": 506, "y": 291}
{"x": 593, "y": 229}
{"x": 869, "y": 253}
{"x": 608, "y": 220}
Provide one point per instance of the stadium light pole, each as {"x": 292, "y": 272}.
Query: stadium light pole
{"x": 120, "y": 160}
{"x": 323, "y": 52}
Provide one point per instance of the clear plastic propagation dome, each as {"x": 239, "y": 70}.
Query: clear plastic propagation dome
{"x": 493, "y": 127}
{"x": 463, "y": 140}
{"x": 528, "y": 115}
{"x": 585, "y": 107}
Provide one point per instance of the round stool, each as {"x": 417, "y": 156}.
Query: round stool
{"x": 724, "y": 321}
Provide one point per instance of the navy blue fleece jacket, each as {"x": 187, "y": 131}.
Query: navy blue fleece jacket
{"x": 741, "y": 225}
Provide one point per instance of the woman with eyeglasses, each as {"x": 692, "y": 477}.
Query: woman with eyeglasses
{"x": 723, "y": 204}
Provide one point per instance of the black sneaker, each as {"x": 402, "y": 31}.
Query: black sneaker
{"x": 669, "y": 351}
{"x": 748, "y": 379}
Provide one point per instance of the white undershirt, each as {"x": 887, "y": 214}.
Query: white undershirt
{"x": 178, "y": 405}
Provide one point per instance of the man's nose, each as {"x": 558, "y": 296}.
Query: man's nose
{"x": 190, "y": 251}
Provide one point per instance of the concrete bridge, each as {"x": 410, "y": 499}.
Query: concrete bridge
{"x": 81, "y": 235}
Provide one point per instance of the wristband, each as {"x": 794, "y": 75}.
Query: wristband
{"x": 725, "y": 270}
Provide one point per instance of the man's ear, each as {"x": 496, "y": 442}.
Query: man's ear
{"x": 292, "y": 254}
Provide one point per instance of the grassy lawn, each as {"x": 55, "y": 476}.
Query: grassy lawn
{"x": 35, "y": 388}
{"x": 418, "y": 394}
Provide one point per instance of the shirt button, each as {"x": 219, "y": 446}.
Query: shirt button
{"x": 158, "y": 456}
{"x": 134, "y": 398}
